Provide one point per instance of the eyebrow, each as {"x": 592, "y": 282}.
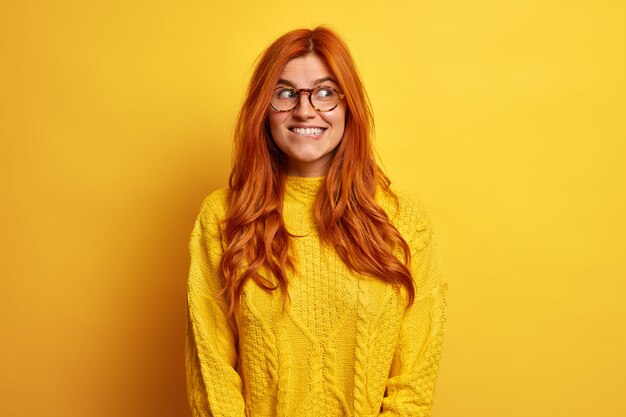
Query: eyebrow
{"x": 316, "y": 82}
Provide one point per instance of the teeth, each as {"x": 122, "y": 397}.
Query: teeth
{"x": 308, "y": 131}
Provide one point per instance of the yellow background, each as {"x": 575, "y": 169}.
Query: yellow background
{"x": 505, "y": 118}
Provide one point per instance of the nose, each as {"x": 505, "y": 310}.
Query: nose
{"x": 304, "y": 109}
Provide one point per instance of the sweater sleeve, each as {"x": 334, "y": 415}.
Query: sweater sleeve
{"x": 214, "y": 387}
{"x": 411, "y": 383}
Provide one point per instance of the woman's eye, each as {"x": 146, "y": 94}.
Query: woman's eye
{"x": 286, "y": 94}
{"x": 324, "y": 93}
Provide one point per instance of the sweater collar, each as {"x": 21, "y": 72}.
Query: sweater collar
{"x": 303, "y": 188}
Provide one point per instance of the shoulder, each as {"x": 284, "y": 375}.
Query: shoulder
{"x": 407, "y": 213}
{"x": 213, "y": 210}
{"x": 215, "y": 205}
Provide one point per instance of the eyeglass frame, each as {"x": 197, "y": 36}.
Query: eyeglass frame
{"x": 299, "y": 92}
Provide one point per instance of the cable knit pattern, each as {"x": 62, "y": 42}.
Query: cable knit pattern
{"x": 360, "y": 356}
{"x": 346, "y": 345}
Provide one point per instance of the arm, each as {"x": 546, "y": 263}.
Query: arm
{"x": 214, "y": 387}
{"x": 413, "y": 374}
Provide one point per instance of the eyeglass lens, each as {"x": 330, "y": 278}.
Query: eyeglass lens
{"x": 323, "y": 98}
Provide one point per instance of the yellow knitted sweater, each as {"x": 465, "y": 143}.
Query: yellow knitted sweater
{"x": 346, "y": 345}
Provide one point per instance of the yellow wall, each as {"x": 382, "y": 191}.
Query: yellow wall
{"x": 506, "y": 118}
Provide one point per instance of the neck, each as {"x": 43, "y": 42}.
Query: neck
{"x": 317, "y": 168}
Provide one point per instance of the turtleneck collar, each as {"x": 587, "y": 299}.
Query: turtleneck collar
{"x": 300, "y": 193}
{"x": 303, "y": 188}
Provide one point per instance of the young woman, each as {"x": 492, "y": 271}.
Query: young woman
{"x": 314, "y": 289}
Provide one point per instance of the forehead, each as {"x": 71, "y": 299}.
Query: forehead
{"x": 305, "y": 71}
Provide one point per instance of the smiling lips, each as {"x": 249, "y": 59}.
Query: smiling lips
{"x": 307, "y": 131}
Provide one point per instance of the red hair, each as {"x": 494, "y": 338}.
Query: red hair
{"x": 347, "y": 215}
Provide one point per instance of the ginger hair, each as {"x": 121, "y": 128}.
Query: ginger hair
{"x": 345, "y": 210}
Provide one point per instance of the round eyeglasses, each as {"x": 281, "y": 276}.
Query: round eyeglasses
{"x": 322, "y": 98}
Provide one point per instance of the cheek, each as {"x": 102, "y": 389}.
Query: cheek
{"x": 275, "y": 122}
{"x": 341, "y": 116}
{"x": 338, "y": 122}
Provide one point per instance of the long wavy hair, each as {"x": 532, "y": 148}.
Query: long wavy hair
{"x": 347, "y": 215}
